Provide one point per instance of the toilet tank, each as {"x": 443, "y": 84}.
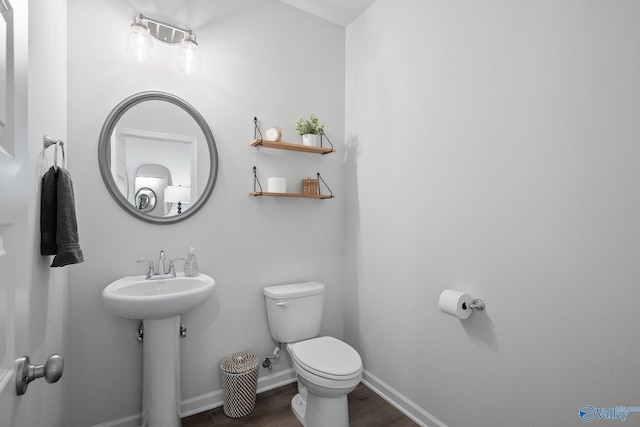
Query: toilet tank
{"x": 294, "y": 311}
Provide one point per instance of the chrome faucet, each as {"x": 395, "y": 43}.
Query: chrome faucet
{"x": 162, "y": 272}
{"x": 161, "y": 268}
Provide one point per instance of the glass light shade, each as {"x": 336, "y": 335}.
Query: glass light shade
{"x": 139, "y": 44}
{"x": 188, "y": 57}
{"x": 176, "y": 193}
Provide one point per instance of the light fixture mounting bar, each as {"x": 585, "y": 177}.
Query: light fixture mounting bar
{"x": 164, "y": 32}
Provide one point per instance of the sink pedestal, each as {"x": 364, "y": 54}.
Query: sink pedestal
{"x": 160, "y": 303}
{"x": 161, "y": 387}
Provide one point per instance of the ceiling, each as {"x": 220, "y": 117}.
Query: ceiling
{"x": 340, "y": 12}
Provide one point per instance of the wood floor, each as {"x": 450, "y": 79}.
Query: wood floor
{"x": 273, "y": 409}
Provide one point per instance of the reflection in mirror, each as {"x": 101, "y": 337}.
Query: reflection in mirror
{"x": 135, "y": 150}
{"x": 158, "y": 157}
{"x": 178, "y": 194}
{"x": 149, "y": 186}
{"x": 146, "y": 199}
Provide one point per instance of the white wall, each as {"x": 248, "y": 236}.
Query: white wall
{"x": 262, "y": 59}
{"x": 496, "y": 152}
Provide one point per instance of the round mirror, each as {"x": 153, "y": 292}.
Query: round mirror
{"x": 158, "y": 157}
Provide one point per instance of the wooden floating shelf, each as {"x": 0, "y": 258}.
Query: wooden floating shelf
{"x": 306, "y": 196}
{"x": 291, "y": 147}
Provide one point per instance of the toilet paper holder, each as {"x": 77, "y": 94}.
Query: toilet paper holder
{"x": 459, "y": 304}
{"x": 477, "y": 304}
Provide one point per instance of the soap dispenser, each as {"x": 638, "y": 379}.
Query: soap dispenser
{"x": 191, "y": 265}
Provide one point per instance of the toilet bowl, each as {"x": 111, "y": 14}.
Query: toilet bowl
{"x": 327, "y": 369}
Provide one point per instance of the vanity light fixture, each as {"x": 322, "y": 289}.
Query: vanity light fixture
{"x": 139, "y": 44}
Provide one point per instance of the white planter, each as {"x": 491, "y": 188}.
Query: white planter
{"x": 311, "y": 140}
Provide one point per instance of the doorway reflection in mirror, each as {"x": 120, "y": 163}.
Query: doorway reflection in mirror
{"x": 157, "y": 161}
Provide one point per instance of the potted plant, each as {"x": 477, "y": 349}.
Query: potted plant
{"x": 309, "y": 129}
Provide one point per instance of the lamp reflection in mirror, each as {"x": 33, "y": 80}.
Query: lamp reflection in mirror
{"x": 139, "y": 44}
{"x": 177, "y": 194}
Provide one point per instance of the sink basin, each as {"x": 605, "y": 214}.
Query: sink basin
{"x": 135, "y": 297}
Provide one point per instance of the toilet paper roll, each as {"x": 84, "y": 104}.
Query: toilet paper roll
{"x": 277, "y": 185}
{"x": 455, "y": 303}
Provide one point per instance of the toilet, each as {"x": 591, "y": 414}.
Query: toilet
{"x": 327, "y": 368}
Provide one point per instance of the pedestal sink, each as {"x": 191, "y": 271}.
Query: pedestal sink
{"x": 159, "y": 303}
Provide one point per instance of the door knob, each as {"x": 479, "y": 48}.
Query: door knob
{"x": 26, "y": 372}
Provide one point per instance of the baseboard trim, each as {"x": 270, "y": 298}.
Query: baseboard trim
{"x": 130, "y": 421}
{"x": 208, "y": 401}
{"x": 214, "y": 399}
{"x": 401, "y": 402}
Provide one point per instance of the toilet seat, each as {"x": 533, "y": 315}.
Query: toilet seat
{"x": 327, "y": 357}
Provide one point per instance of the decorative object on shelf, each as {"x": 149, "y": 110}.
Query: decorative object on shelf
{"x": 316, "y": 195}
{"x": 277, "y": 185}
{"x": 272, "y": 134}
{"x": 260, "y": 141}
{"x": 309, "y": 186}
{"x": 309, "y": 129}
{"x": 139, "y": 44}
{"x": 310, "y": 140}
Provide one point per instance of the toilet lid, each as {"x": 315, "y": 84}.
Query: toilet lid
{"x": 327, "y": 356}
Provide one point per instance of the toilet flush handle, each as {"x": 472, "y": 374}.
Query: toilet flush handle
{"x": 284, "y": 304}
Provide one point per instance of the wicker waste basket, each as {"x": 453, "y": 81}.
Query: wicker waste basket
{"x": 239, "y": 380}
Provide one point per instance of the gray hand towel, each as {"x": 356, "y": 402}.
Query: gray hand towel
{"x": 67, "y": 243}
{"x": 48, "y": 213}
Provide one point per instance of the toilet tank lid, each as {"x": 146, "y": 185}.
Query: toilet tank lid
{"x": 294, "y": 290}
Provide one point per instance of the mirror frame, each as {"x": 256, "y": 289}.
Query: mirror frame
{"x": 104, "y": 155}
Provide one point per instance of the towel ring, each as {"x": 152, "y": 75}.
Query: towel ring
{"x": 48, "y": 142}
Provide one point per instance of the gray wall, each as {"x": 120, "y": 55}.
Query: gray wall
{"x": 262, "y": 59}
{"x": 495, "y": 151}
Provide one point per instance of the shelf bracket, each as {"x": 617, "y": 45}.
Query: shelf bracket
{"x": 256, "y": 181}
{"x": 322, "y": 134}
{"x": 325, "y": 184}
{"x": 256, "y": 131}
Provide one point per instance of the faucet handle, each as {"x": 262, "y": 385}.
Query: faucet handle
{"x": 150, "y": 271}
{"x": 172, "y": 269}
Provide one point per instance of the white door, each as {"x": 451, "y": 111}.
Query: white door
{"x": 13, "y": 214}
{"x": 11, "y": 285}
{"x": 13, "y": 221}
{"x": 31, "y": 318}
